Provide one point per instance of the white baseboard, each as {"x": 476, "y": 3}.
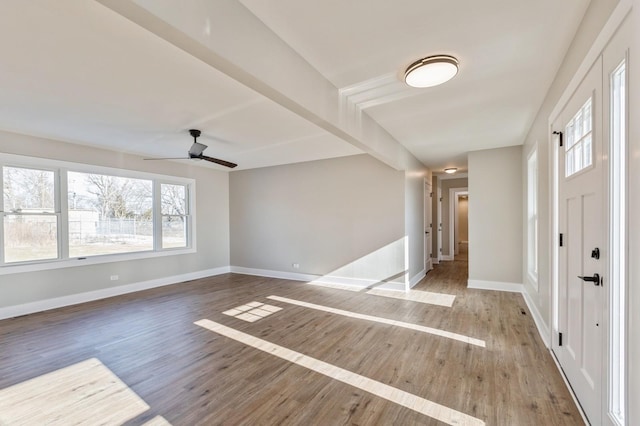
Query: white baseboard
{"x": 74, "y": 299}
{"x": 447, "y": 257}
{"x": 417, "y": 278}
{"x": 295, "y": 276}
{"x": 435, "y": 261}
{"x": 495, "y": 285}
{"x": 359, "y": 282}
{"x": 320, "y": 279}
{"x": 541, "y": 324}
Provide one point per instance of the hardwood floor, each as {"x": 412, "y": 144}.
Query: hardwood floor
{"x": 190, "y": 375}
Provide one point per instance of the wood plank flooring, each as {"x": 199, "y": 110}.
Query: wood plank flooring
{"x": 189, "y": 375}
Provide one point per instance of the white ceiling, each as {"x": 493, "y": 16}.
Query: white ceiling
{"x": 81, "y": 72}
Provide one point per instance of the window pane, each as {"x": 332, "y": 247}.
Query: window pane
{"x": 28, "y": 190}
{"x": 174, "y": 231}
{"x": 587, "y": 151}
{"x": 577, "y": 158}
{"x": 569, "y": 163}
{"x": 578, "y": 125}
{"x": 30, "y": 237}
{"x": 579, "y": 145}
{"x": 532, "y": 240}
{"x": 569, "y": 134}
{"x": 619, "y": 252}
{"x": 173, "y": 199}
{"x": 587, "y": 117}
{"x": 535, "y": 246}
{"x": 174, "y": 215}
{"x": 109, "y": 214}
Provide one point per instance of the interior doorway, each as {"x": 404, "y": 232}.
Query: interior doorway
{"x": 455, "y": 195}
{"x": 462, "y": 234}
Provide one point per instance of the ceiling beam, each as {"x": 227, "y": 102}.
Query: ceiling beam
{"x": 227, "y": 36}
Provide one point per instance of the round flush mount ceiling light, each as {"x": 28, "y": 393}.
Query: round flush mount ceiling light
{"x": 451, "y": 170}
{"x": 431, "y": 71}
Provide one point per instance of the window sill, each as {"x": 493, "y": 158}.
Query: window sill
{"x": 93, "y": 260}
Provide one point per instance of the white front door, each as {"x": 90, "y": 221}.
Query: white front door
{"x": 582, "y": 255}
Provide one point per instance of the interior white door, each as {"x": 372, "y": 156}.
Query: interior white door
{"x": 439, "y": 223}
{"x": 428, "y": 227}
{"x": 581, "y": 257}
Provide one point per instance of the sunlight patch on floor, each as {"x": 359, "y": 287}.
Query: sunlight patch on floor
{"x": 416, "y": 296}
{"x": 400, "y": 397}
{"x": 252, "y": 312}
{"x": 157, "y": 421}
{"x": 429, "y": 330}
{"x": 440, "y": 299}
{"x": 83, "y": 393}
{"x": 337, "y": 286}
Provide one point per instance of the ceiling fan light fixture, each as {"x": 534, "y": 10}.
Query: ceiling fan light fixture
{"x": 431, "y": 71}
{"x": 450, "y": 170}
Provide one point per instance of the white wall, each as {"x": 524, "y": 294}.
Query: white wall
{"x": 341, "y": 217}
{"x": 495, "y": 215}
{"x": 414, "y": 219}
{"x": 212, "y": 214}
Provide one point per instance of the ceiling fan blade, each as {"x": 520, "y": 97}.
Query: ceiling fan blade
{"x": 169, "y": 158}
{"x": 217, "y": 161}
{"x": 196, "y": 149}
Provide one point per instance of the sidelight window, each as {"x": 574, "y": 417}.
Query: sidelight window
{"x": 532, "y": 216}
{"x": 618, "y": 243}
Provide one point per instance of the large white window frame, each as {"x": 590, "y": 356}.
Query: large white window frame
{"x": 60, "y": 168}
{"x": 532, "y": 217}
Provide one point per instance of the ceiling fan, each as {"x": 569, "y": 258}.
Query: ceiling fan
{"x": 195, "y": 152}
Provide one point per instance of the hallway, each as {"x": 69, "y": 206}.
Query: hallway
{"x": 448, "y": 276}
{"x": 525, "y": 386}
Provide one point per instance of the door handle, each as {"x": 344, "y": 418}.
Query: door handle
{"x": 595, "y": 279}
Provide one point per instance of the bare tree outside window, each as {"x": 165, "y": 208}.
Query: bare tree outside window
{"x": 109, "y": 214}
{"x": 174, "y": 208}
{"x": 30, "y": 219}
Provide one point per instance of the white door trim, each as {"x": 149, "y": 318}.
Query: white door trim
{"x": 427, "y": 189}
{"x": 439, "y": 222}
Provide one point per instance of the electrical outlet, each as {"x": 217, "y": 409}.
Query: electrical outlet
{"x": 296, "y": 266}
{"x": 114, "y": 278}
